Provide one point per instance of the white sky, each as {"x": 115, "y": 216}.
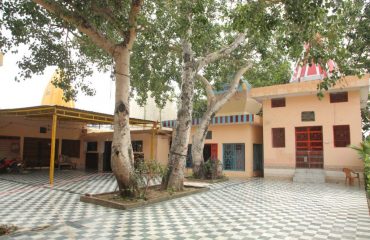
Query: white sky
{"x": 29, "y": 93}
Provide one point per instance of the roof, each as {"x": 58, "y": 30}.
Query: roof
{"x": 66, "y": 114}
{"x": 347, "y": 83}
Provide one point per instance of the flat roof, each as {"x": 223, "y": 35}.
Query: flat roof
{"x": 309, "y": 87}
{"x": 66, "y": 114}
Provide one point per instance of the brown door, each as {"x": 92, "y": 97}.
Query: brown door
{"x": 309, "y": 147}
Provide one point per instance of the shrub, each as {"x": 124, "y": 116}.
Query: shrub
{"x": 7, "y": 229}
{"x": 364, "y": 152}
{"x": 146, "y": 173}
{"x": 212, "y": 169}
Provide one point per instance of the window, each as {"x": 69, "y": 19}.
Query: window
{"x": 209, "y": 135}
{"x": 278, "y": 137}
{"x": 234, "y": 156}
{"x": 278, "y": 102}
{"x": 338, "y": 97}
{"x": 71, "y": 148}
{"x": 342, "y": 136}
{"x": 92, "y": 146}
{"x": 137, "y": 146}
{"x": 308, "y": 116}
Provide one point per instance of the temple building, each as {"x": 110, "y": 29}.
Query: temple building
{"x": 280, "y": 131}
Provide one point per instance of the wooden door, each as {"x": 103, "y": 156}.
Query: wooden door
{"x": 309, "y": 147}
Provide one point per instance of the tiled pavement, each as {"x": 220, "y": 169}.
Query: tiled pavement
{"x": 253, "y": 209}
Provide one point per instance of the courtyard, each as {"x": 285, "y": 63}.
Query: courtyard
{"x": 238, "y": 209}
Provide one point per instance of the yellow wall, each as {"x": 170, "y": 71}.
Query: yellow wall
{"x": 326, "y": 115}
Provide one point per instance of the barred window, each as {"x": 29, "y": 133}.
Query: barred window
{"x": 342, "y": 137}
{"x": 278, "y": 137}
{"x": 234, "y": 156}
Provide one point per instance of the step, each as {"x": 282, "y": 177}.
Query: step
{"x": 309, "y": 176}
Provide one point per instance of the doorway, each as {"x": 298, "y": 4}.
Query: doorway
{"x": 210, "y": 152}
{"x": 107, "y": 156}
{"x": 257, "y": 160}
{"x": 309, "y": 147}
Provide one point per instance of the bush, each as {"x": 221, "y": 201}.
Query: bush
{"x": 146, "y": 173}
{"x": 212, "y": 169}
{"x": 364, "y": 152}
{"x": 7, "y": 229}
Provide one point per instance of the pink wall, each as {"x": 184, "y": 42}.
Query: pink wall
{"x": 326, "y": 115}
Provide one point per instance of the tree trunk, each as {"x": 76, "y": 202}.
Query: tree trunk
{"x": 198, "y": 144}
{"x": 214, "y": 105}
{"x": 175, "y": 177}
{"x": 122, "y": 155}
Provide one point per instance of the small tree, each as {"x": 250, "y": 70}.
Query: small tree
{"x": 147, "y": 172}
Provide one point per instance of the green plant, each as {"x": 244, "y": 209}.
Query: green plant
{"x": 146, "y": 173}
{"x": 364, "y": 152}
{"x": 7, "y": 229}
{"x": 212, "y": 169}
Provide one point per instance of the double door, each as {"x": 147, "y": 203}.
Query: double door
{"x": 309, "y": 147}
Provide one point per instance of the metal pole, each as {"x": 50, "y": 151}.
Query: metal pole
{"x": 52, "y": 152}
{"x": 154, "y": 128}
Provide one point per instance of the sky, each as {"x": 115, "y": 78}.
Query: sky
{"x": 29, "y": 92}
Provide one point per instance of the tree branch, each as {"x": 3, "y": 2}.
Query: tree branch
{"x": 221, "y": 53}
{"x": 226, "y": 96}
{"x": 132, "y": 21}
{"x": 209, "y": 89}
{"x": 107, "y": 14}
{"x": 80, "y": 23}
{"x": 236, "y": 79}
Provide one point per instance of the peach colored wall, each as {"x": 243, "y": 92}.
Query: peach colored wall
{"x": 161, "y": 145}
{"x": 235, "y": 133}
{"x": 21, "y": 127}
{"x": 236, "y": 105}
{"x": 162, "y": 149}
{"x": 326, "y": 115}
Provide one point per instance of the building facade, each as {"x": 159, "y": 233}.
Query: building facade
{"x": 301, "y": 131}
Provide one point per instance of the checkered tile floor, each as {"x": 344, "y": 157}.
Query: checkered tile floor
{"x": 253, "y": 209}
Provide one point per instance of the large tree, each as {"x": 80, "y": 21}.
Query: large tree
{"x": 70, "y": 35}
{"x": 211, "y": 40}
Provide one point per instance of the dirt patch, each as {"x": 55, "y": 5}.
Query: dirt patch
{"x": 154, "y": 195}
{"x": 7, "y": 229}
